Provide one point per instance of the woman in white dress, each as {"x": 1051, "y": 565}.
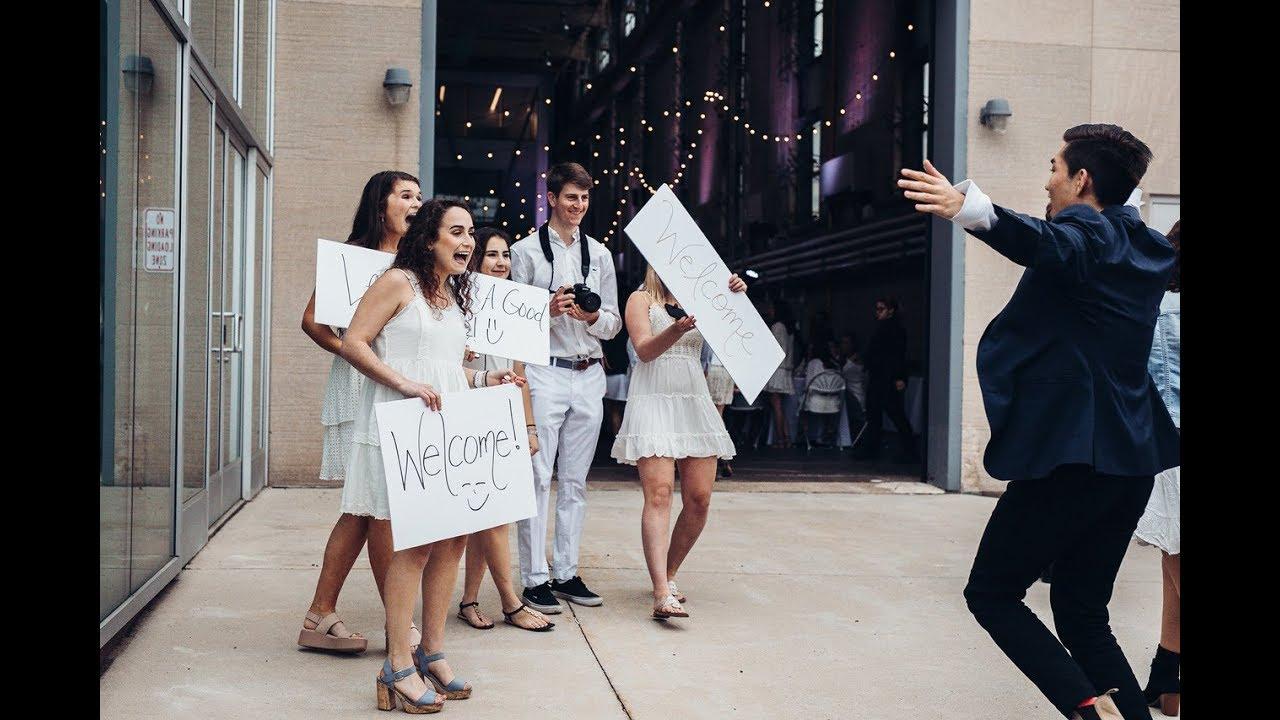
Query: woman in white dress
{"x": 669, "y": 419}
{"x": 408, "y": 338}
{"x": 388, "y": 203}
{"x": 491, "y": 548}
{"x": 780, "y": 383}
{"x": 1161, "y": 523}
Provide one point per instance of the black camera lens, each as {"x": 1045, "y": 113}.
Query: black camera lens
{"x": 584, "y": 298}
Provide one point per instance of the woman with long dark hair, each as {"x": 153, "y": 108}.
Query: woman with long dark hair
{"x": 491, "y": 548}
{"x": 408, "y": 337}
{"x": 387, "y": 205}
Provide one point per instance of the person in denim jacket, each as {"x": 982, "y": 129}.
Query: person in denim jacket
{"x": 1161, "y": 524}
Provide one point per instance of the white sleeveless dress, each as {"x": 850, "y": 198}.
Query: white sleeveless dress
{"x": 669, "y": 411}
{"x": 423, "y": 348}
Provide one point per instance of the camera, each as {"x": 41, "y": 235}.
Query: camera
{"x": 584, "y": 298}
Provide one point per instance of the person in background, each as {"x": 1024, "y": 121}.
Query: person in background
{"x": 1161, "y": 523}
{"x": 887, "y": 383}
{"x": 616, "y": 375}
{"x": 821, "y": 411}
{"x": 778, "y": 316}
{"x": 721, "y": 386}
{"x": 855, "y": 384}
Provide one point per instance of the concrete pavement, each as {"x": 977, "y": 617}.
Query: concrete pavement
{"x": 823, "y": 600}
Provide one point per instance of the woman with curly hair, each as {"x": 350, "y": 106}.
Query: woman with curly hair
{"x": 408, "y": 337}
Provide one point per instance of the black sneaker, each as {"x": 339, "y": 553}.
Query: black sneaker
{"x": 574, "y": 590}
{"x": 539, "y": 598}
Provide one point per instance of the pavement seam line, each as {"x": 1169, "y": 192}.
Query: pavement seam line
{"x": 604, "y": 672}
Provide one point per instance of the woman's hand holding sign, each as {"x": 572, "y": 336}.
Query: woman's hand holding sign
{"x": 428, "y": 394}
{"x": 504, "y": 376}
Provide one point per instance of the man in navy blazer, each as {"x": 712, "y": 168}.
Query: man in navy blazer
{"x": 1077, "y": 425}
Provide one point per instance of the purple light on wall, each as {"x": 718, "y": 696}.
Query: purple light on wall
{"x": 706, "y": 155}
{"x": 864, "y": 42}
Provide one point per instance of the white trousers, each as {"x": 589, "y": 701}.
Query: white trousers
{"x": 568, "y": 408}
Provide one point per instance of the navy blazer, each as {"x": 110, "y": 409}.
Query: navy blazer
{"x": 1063, "y": 367}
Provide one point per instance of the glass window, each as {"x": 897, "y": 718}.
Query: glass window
{"x": 259, "y": 316}
{"x": 195, "y": 248}
{"x": 137, "y": 520}
{"x": 253, "y": 88}
{"x": 213, "y": 23}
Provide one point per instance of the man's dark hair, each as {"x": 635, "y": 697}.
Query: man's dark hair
{"x": 561, "y": 174}
{"x": 1175, "y": 238}
{"x": 1115, "y": 159}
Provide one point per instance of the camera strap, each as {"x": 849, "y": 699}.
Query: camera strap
{"x": 544, "y": 237}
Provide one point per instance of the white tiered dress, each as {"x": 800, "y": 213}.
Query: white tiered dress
{"x": 424, "y": 348}
{"x": 669, "y": 411}
{"x": 338, "y": 416}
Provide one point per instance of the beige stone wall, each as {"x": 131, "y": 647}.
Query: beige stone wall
{"x": 1105, "y": 61}
{"x": 333, "y": 129}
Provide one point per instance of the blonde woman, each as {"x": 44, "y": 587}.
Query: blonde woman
{"x": 669, "y": 420}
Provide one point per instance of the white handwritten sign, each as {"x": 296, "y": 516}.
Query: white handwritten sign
{"x": 509, "y": 320}
{"x": 158, "y": 239}
{"x": 457, "y": 471}
{"x": 693, "y": 271}
{"x": 343, "y": 273}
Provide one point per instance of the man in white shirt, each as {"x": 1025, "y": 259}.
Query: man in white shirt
{"x": 568, "y": 394}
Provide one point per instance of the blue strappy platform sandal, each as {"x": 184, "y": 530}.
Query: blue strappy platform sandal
{"x": 388, "y": 692}
{"x": 457, "y": 689}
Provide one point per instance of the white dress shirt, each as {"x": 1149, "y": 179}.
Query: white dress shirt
{"x": 572, "y": 339}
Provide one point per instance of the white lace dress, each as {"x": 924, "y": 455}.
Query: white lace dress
{"x": 669, "y": 411}
{"x": 338, "y": 416}
{"x": 424, "y": 345}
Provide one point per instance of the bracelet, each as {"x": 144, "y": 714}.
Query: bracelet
{"x": 531, "y": 425}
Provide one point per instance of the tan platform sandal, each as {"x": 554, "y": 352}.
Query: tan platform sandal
{"x": 331, "y": 635}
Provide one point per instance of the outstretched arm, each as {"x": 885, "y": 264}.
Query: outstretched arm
{"x": 1060, "y": 245}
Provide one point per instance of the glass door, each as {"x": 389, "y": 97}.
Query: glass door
{"x": 226, "y": 327}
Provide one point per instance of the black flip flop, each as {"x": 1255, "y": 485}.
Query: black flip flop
{"x": 463, "y": 618}
{"x": 508, "y": 615}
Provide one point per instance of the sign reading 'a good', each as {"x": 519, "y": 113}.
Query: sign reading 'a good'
{"x": 463, "y": 469}
{"x": 510, "y": 320}
{"x": 693, "y": 271}
{"x": 343, "y": 274}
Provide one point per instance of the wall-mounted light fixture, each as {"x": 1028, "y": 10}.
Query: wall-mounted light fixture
{"x": 995, "y": 114}
{"x": 139, "y": 74}
{"x": 397, "y": 85}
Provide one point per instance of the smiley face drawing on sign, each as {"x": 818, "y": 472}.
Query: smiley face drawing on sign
{"x": 478, "y": 450}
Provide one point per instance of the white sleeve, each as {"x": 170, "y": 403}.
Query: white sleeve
{"x": 977, "y": 213}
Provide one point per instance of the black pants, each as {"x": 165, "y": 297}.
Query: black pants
{"x": 883, "y": 397}
{"x": 1082, "y": 522}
